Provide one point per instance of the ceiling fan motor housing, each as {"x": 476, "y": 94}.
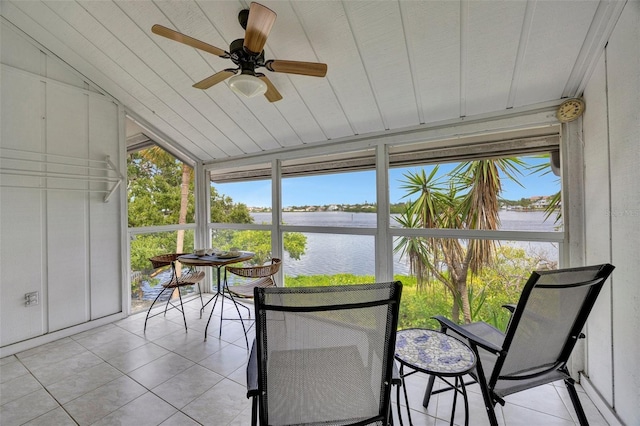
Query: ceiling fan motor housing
{"x": 246, "y": 61}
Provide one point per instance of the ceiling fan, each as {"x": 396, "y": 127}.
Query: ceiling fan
{"x": 247, "y": 54}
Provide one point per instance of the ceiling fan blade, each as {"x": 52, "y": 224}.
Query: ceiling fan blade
{"x": 190, "y": 41}
{"x": 214, "y": 79}
{"x": 314, "y": 69}
{"x": 272, "y": 93}
{"x": 259, "y": 25}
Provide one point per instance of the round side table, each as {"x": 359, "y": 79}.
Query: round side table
{"x": 436, "y": 353}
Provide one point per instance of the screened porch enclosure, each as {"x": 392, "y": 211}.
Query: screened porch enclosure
{"x": 474, "y": 80}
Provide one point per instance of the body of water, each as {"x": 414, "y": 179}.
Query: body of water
{"x": 338, "y": 253}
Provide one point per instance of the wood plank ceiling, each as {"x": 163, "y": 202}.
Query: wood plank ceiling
{"x": 392, "y": 64}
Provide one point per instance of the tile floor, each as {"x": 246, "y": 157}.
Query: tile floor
{"x": 119, "y": 375}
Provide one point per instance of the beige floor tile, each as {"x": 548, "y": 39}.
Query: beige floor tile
{"x": 104, "y": 400}
{"x": 79, "y": 384}
{"x": 57, "y": 417}
{"x": 7, "y": 360}
{"x": 119, "y": 346}
{"x": 226, "y": 360}
{"x": 180, "y": 419}
{"x": 184, "y": 387}
{"x": 220, "y": 405}
{"x": 138, "y": 357}
{"x": 147, "y": 409}
{"x": 542, "y": 398}
{"x": 57, "y": 371}
{"x": 515, "y": 415}
{"x": 18, "y": 387}
{"x": 26, "y": 408}
{"x": 160, "y": 370}
{"x": 55, "y": 353}
{"x": 44, "y": 348}
{"x": 200, "y": 349}
{"x": 194, "y": 381}
{"x": 11, "y": 370}
{"x": 102, "y": 337}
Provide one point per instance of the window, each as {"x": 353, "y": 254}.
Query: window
{"x": 160, "y": 194}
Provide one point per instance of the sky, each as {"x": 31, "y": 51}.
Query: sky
{"x": 359, "y": 188}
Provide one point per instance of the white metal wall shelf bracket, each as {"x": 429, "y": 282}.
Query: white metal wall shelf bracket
{"x": 57, "y": 169}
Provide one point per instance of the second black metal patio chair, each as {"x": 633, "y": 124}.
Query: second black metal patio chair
{"x": 543, "y": 330}
{"x": 324, "y": 355}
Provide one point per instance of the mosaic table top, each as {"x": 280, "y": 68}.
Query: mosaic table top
{"x": 433, "y": 352}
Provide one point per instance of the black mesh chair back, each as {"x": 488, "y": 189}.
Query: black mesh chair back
{"x": 547, "y": 321}
{"x": 324, "y": 355}
{"x": 543, "y": 331}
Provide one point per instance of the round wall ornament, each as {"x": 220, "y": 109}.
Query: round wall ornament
{"x": 570, "y": 110}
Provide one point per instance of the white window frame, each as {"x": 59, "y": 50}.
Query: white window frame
{"x": 518, "y": 133}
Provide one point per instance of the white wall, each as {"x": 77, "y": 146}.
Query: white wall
{"x": 63, "y": 243}
{"x": 612, "y": 186}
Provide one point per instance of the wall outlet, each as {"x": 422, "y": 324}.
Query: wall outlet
{"x": 31, "y": 299}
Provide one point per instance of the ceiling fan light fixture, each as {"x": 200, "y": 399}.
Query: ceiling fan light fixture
{"x": 247, "y": 85}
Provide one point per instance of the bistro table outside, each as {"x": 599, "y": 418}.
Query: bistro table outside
{"x": 433, "y": 352}
{"x": 218, "y": 261}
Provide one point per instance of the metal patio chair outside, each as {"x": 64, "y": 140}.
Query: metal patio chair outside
{"x": 543, "y": 330}
{"x": 324, "y": 355}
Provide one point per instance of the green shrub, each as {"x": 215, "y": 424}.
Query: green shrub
{"x": 499, "y": 284}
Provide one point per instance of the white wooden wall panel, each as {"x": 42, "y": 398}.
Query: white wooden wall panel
{"x": 67, "y": 211}
{"x": 599, "y": 342}
{"x": 22, "y": 251}
{"x": 116, "y": 54}
{"x": 623, "y": 74}
{"x": 68, "y": 279}
{"x": 104, "y": 245}
{"x": 22, "y": 126}
{"x": 65, "y": 244}
{"x": 60, "y": 72}
{"x": 18, "y": 52}
{"x": 21, "y": 227}
{"x": 53, "y": 29}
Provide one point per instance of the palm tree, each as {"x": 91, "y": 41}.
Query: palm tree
{"x": 413, "y": 248}
{"x": 469, "y": 202}
{"x": 156, "y": 155}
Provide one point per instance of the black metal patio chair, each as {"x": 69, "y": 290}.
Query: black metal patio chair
{"x": 543, "y": 330}
{"x": 324, "y": 355}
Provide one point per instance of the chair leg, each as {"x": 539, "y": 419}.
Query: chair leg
{"x": 254, "y": 411}
{"x": 582, "y": 418}
{"x": 184, "y": 318}
{"x": 484, "y": 387}
{"x": 150, "y": 307}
